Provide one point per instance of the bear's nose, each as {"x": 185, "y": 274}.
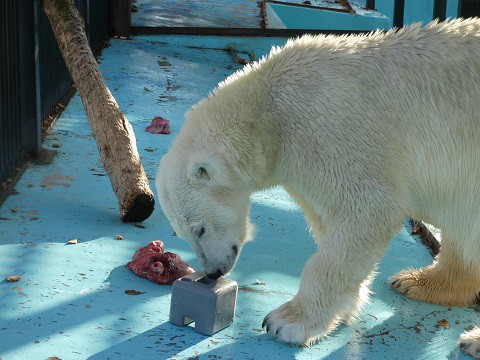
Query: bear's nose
{"x": 215, "y": 275}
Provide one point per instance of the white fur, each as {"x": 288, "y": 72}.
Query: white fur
{"x": 361, "y": 131}
{"x": 470, "y": 342}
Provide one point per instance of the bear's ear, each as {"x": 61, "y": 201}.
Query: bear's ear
{"x": 204, "y": 166}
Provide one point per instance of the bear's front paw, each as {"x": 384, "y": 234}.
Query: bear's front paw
{"x": 289, "y": 323}
{"x": 470, "y": 342}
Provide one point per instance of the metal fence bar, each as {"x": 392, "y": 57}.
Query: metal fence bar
{"x": 370, "y": 4}
{"x": 98, "y": 11}
{"x": 31, "y": 126}
{"x": 468, "y": 8}
{"x": 33, "y": 75}
{"x": 3, "y": 102}
{"x": 122, "y": 17}
{"x": 4, "y": 161}
{"x": 398, "y": 13}
{"x": 9, "y": 90}
{"x": 55, "y": 79}
{"x": 440, "y": 10}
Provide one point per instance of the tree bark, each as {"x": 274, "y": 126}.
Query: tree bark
{"x": 113, "y": 133}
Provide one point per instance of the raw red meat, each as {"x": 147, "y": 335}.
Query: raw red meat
{"x": 150, "y": 262}
{"x": 159, "y": 125}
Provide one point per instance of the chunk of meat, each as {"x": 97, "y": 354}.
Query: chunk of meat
{"x": 159, "y": 125}
{"x": 152, "y": 263}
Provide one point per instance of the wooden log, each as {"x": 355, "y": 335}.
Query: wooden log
{"x": 113, "y": 133}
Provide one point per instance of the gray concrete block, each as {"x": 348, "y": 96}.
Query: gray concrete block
{"x": 210, "y": 303}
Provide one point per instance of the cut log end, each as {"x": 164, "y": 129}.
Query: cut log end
{"x": 141, "y": 208}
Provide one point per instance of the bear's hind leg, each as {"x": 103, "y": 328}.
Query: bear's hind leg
{"x": 470, "y": 342}
{"x": 449, "y": 281}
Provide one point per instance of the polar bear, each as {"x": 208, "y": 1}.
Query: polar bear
{"x": 361, "y": 131}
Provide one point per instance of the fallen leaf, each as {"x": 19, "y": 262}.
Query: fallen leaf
{"x": 56, "y": 146}
{"x": 258, "y": 330}
{"x": 14, "y": 278}
{"x": 73, "y": 241}
{"x": 14, "y": 210}
{"x": 55, "y": 138}
{"x": 147, "y": 89}
{"x": 444, "y": 323}
{"x": 19, "y": 291}
{"x": 140, "y": 226}
{"x": 174, "y": 233}
{"x": 149, "y": 150}
{"x": 5, "y": 218}
{"x": 119, "y": 237}
{"x": 88, "y": 306}
{"x": 53, "y": 358}
{"x": 91, "y": 169}
{"x": 133, "y": 292}
{"x": 259, "y": 282}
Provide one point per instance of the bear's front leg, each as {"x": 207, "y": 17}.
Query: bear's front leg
{"x": 333, "y": 286}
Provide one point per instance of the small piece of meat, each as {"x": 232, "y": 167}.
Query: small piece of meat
{"x": 151, "y": 263}
{"x": 159, "y": 125}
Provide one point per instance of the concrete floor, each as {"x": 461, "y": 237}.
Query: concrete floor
{"x": 71, "y": 300}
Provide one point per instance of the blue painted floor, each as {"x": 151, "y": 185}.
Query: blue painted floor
{"x": 70, "y": 301}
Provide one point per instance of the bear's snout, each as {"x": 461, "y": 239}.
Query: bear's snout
{"x": 215, "y": 275}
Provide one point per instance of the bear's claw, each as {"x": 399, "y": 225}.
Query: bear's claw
{"x": 435, "y": 287}
{"x": 264, "y": 322}
{"x": 287, "y": 324}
